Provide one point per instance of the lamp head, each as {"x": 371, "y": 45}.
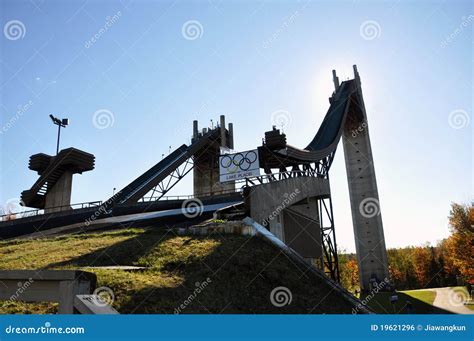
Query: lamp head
{"x": 55, "y": 120}
{"x": 64, "y": 122}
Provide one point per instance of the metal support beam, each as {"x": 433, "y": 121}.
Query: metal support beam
{"x": 330, "y": 262}
{"x": 169, "y": 182}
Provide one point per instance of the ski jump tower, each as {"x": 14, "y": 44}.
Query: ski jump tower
{"x": 363, "y": 192}
{"x": 206, "y": 161}
{"x": 287, "y": 167}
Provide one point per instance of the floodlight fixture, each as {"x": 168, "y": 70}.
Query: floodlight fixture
{"x": 60, "y": 123}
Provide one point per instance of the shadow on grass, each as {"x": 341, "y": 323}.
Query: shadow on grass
{"x": 380, "y": 303}
{"x": 127, "y": 252}
{"x": 237, "y": 277}
{"x": 229, "y": 274}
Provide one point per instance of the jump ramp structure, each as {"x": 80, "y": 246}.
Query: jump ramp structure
{"x": 292, "y": 199}
{"x": 201, "y": 155}
{"x": 289, "y": 172}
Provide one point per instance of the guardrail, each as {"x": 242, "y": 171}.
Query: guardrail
{"x": 266, "y": 178}
{"x": 191, "y": 196}
{"x": 256, "y": 180}
{"x": 33, "y": 213}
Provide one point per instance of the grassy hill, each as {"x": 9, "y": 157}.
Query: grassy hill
{"x": 421, "y": 300}
{"x": 240, "y": 271}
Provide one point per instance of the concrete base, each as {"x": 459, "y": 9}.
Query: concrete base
{"x": 301, "y": 228}
{"x": 288, "y": 208}
{"x": 59, "y": 197}
{"x": 46, "y": 285}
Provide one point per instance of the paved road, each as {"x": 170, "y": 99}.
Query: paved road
{"x": 448, "y": 299}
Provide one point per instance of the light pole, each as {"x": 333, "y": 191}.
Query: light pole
{"x": 60, "y": 123}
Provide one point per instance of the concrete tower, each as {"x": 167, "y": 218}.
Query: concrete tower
{"x": 52, "y": 191}
{"x": 206, "y": 161}
{"x": 364, "y": 197}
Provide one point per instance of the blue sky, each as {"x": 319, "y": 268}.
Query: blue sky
{"x": 248, "y": 60}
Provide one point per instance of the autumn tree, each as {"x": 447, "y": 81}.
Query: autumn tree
{"x": 427, "y": 266}
{"x": 460, "y": 245}
{"x": 349, "y": 271}
{"x": 421, "y": 263}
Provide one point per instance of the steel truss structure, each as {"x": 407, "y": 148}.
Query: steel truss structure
{"x": 164, "y": 186}
{"x": 319, "y": 169}
{"x": 330, "y": 263}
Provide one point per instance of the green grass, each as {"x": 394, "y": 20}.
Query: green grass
{"x": 425, "y": 296}
{"x": 37, "y": 254}
{"x": 242, "y": 271}
{"x": 421, "y": 301}
{"x": 218, "y": 221}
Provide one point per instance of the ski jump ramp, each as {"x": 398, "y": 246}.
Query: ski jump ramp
{"x": 345, "y": 120}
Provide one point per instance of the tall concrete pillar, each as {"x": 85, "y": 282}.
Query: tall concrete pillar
{"x": 335, "y": 79}
{"x": 195, "y": 129}
{"x": 206, "y": 163}
{"x": 223, "y": 131}
{"x": 206, "y": 172}
{"x": 231, "y": 135}
{"x": 59, "y": 197}
{"x": 364, "y": 197}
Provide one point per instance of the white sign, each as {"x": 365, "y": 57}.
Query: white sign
{"x": 92, "y": 304}
{"x": 239, "y": 165}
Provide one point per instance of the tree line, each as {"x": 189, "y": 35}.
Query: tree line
{"x": 446, "y": 264}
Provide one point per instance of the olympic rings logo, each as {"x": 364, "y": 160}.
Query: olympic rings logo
{"x": 240, "y": 161}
